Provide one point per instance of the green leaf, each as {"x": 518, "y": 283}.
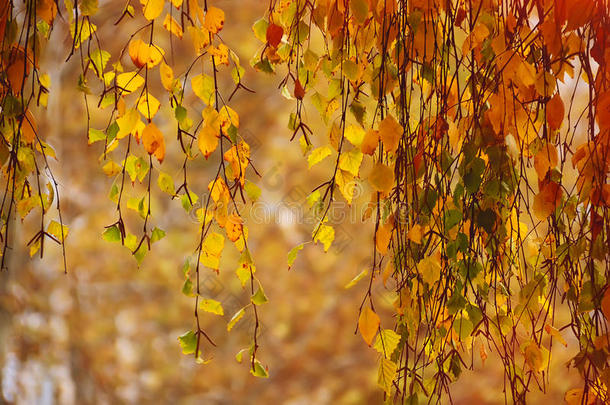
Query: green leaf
{"x": 186, "y": 202}
{"x": 187, "y": 288}
{"x": 260, "y": 29}
{"x": 166, "y": 183}
{"x": 99, "y": 59}
{"x": 112, "y": 234}
{"x": 203, "y": 87}
{"x": 95, "y": 135}
{"x": 252, "y": 190}
{"x": 211, "y": 306}
{"x": 188, "y": 342}
{"x": 259, "y": 296}
{"x": 235, "y": 318}
{"x": 259, "y": 370}
{"x": 157, "y": 235}
{"x": 292, "y": 255}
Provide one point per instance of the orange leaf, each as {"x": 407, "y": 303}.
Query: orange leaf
{"x": 153, "y": 142}
{"x": 370, "y": 142}
{"x": 390, "y": 132}
{"x": 368, "y": 324}
{"x": 545, "y": 160}
{"x": 214, "y": 20}
{"x": 547, "y": 199}
{"x": 555, "y": 112}
{"x": 234, "y": 227}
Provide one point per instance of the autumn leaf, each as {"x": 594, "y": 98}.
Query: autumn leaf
{"x": 547, "y": 199}
{"x": 555, "y": 112}
{"x": 211, "y": 306}
{"x": 274, "y": 35}
{"x": 152, "y": 8}
{"x": 214, "y": 20}
{"x": 153, "y": 142}
{"x": 171, "y": 25}
{"x": 370, "y": 142}
{"x": 368, "y": 324}
{"x": 382, "y": 178}
{"x": 605, "y": 304}
{"x": 390, "y": 132}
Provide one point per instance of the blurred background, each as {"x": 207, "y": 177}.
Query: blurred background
{"x": 106, "y": 332}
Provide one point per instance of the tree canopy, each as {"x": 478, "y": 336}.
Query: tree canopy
{"x": 473, "y": 136}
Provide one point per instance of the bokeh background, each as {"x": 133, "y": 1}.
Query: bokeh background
{"x": 106, "y": 332}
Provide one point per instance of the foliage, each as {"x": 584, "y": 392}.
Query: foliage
{"x": 487, "y": 182}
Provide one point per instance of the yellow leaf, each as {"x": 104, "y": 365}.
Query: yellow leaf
{"x": 355, "y": 280}
{"x": 354, "y": 134}
{"x": 152, "y": 8}
{"x": 382, "y": 178}
{"x": 235, "y": 318}
{"x": 387, "y": 272}
{"x": 220, "y": 54}
{"x": 60, "y": 232}
{"x": 430, "y": 269}
{"x": 199, "y": 37}
{"x": 350, "y": 161}
{"x": 167, "y": 76}
{"x": 211, "y": 250}
{"x": 387, "y": 372}
{"x": 324, "y": 234}
{"x": 227, "y": 117}
{"x": 207, "y": 141}
{"x": 155, "y": 56}
{"x": 214, "y": 20}
{"x": 390, "y": 132}
{"x": 129, "y": 81}
{"x": 368, "y": 324}
{"x": 148, "y": 105}
{"x": 415, "y": 233}
{"x": 127, "y": 123}
{"x": 317, "y": 155}
{"x": 170, "y": 24}
{"x": 153, "y": 142}
{"x": 386, "y": 342}
{"x": 211, "y": 306}
{"x": 111, "y": 168}
{"x": 576, "y": 396}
